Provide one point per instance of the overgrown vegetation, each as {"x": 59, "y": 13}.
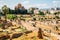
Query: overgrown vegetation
{"x": 10, "y": 16}
{"x": 56, "y": 13}
{"x": 41, "y": 13}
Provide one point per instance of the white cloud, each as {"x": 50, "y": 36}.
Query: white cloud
{"x": 56, "y": 3}
{"x": 25, "y": 2}
{"x": 28, "y": 4}
{"x": 41, "y": 5}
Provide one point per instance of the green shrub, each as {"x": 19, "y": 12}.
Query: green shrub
{"x": 34, "y": 18}
{"x": 57, "y": 17}
{"x": 41, "y": 13}
{"x": 10, "y": 16}
{"x": 56, "y": 13}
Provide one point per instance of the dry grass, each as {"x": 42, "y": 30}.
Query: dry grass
{"x": 24, "y": 37}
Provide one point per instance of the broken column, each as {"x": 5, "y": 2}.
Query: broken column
{"x": 40, "y": 36}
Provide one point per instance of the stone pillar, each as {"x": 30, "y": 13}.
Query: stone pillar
{"x": 40, "y": 36}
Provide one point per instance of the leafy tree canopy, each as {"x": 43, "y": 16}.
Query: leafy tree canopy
{"x": 41, "y": 13}
{"x": 5, "y": 9}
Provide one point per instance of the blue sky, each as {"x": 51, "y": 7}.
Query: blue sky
{"x": 31, "y": 3}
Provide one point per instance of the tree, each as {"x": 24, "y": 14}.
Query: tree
{"x": 31, "y": 10}
{"x": 11, "y": 11}
{"x": 19, "y": 6}
{"x": 56, "y": 13}
{"x": 19, "y": 9}
{"x": 48, "y": 12}
{"x": 57, "y": 17}
{"x": 41, "y": 13}
{"x": 0, "y": 11}
{"x": 5, "y": 9}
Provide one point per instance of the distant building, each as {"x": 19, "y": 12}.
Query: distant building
{"x": 55, "y": 8}
{"x": 33, "y": 10}
{"x": 36, "y": 11}
{"x": 54, "y": 11}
